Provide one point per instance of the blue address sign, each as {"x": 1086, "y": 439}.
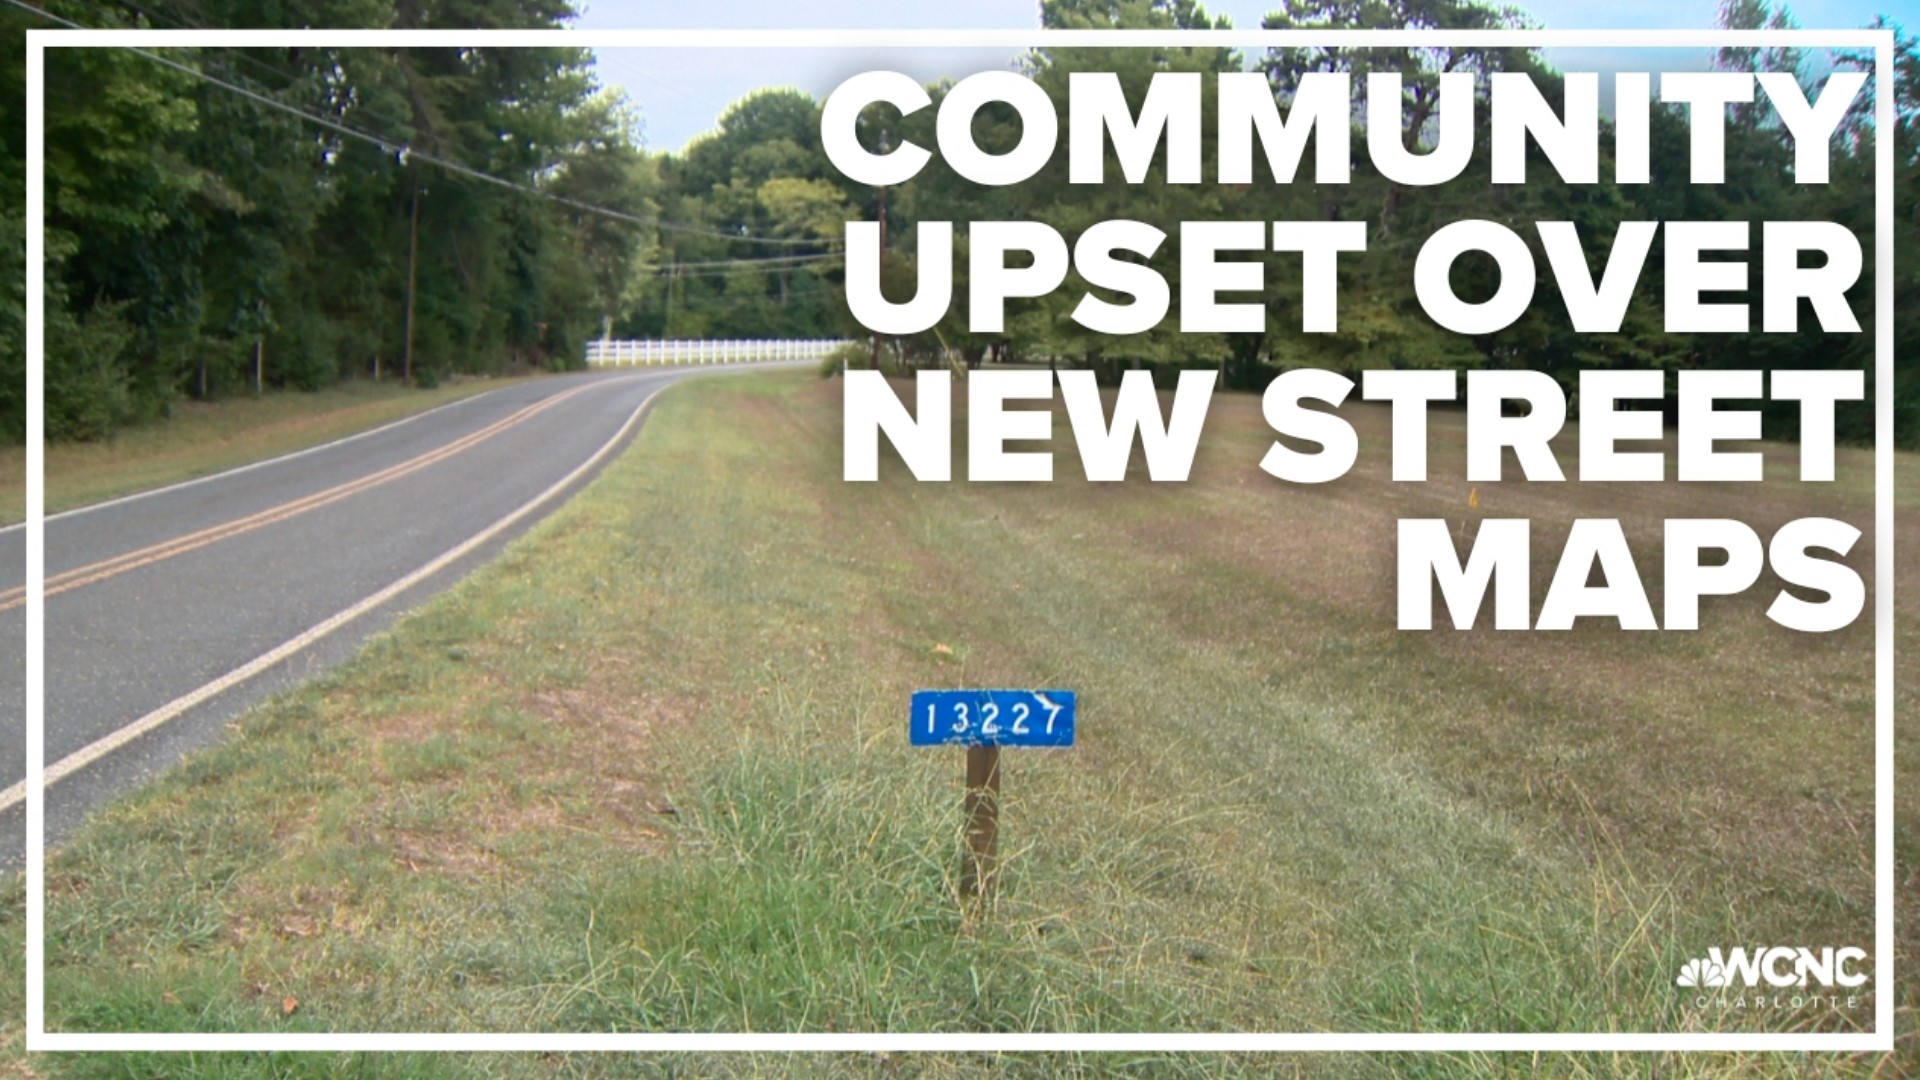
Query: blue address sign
{"x": 992, "y": 718}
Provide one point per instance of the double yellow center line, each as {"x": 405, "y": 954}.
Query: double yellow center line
{"x": 180, "y": 545}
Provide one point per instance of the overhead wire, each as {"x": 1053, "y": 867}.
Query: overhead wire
{"x": 615, "y": 59}
{"x": 405, "y": 152}
{"x": 665, "y": 274}
{"x": 775, "y": 263}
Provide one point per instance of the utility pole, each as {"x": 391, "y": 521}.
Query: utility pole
{"x": 413, "y": 260}
{"x": 881, "y": 266}
{"x": 673, "y": 275}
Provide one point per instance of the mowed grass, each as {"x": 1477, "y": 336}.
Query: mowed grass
{"x": 207, "y": 437}
{"x": 648, "y": 771}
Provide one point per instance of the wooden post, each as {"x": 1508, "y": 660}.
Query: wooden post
{"x": 413, "y": 261}
{"x": 673, "y": 276}
{"x": 983, "y": 820}
{"x": 880, "y": 272}
{"x": 259, "y": 366}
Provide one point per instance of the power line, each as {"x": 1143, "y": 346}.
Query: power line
{"x": 665, "y": 275}
{"x": 777, "y": 262}
{"x": 237, "y": 53}
{"x": 407, "y": 153}
{"x": 604, "y": 59}
{"x": 246, "y": 55}
{"x": 727, "y": 304}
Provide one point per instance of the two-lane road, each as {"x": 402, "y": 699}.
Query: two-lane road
{"x": 168, "y": 613}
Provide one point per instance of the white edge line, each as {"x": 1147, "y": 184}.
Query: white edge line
{"x": 816, "y": 38}
{"x": 1883, "y": 576}
{"x": 388, "y": 426}
{"x": 868, "y": 1042}
{"x": 261, "y": 464}
{"x": 37, "y": 1038}
{"x": 36, "y": 656}
{"x": 107, "y": 744}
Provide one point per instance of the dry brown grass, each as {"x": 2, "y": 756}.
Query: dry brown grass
{"x": 1284, "y": 813}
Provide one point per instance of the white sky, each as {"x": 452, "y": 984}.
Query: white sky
{"x": 682, "y": 92}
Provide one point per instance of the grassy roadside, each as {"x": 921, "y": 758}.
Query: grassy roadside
{"x": 207, "y": 437}
{"x": 646, "y": 772}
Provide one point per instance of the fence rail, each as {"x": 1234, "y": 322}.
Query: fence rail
{"x": 661, "y": 353}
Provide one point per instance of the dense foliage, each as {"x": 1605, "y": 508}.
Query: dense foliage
{"x": 195, "y": 230}
{"x": 444, "y": 210}
{"x": 1381, "y": 324}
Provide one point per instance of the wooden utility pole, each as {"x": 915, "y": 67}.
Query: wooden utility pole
{"x": 413, "y": 261}
{"x": 259, "y": 361}
{"x": 673, "y": 275}
{"x": 880, "y": 272}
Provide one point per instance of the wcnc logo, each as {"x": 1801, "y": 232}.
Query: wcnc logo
{"x": 1778, "y": 966}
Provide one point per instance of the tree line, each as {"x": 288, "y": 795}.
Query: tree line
{"x": 222, "y": 219}
{"x": 1381, "y": 323}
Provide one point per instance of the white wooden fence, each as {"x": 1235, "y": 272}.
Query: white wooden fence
{"x": 611, "y": 353}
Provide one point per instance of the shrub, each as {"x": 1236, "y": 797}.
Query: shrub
{"x": 87, "y": 394}
{"x": 843, "y": 357}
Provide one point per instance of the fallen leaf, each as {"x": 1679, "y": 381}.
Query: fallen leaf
{"x": 288, "y": 1005}
{"x": 943, "y": 650}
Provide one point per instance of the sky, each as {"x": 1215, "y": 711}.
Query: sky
{"x": 681, "y": 93}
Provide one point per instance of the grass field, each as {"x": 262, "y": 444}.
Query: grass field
{"x": 207, "y": 437}
{"x": 648, "y": 771}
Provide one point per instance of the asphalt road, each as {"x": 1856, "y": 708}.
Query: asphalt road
{"x": 157, "y": 597}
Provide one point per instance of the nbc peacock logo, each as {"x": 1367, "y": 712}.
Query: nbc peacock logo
{"x": 1699, "y": 972}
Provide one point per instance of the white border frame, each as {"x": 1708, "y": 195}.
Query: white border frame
{"x": 1879, "y": 1040}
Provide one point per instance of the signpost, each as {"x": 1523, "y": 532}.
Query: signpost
{"x": 983, "y": 721}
